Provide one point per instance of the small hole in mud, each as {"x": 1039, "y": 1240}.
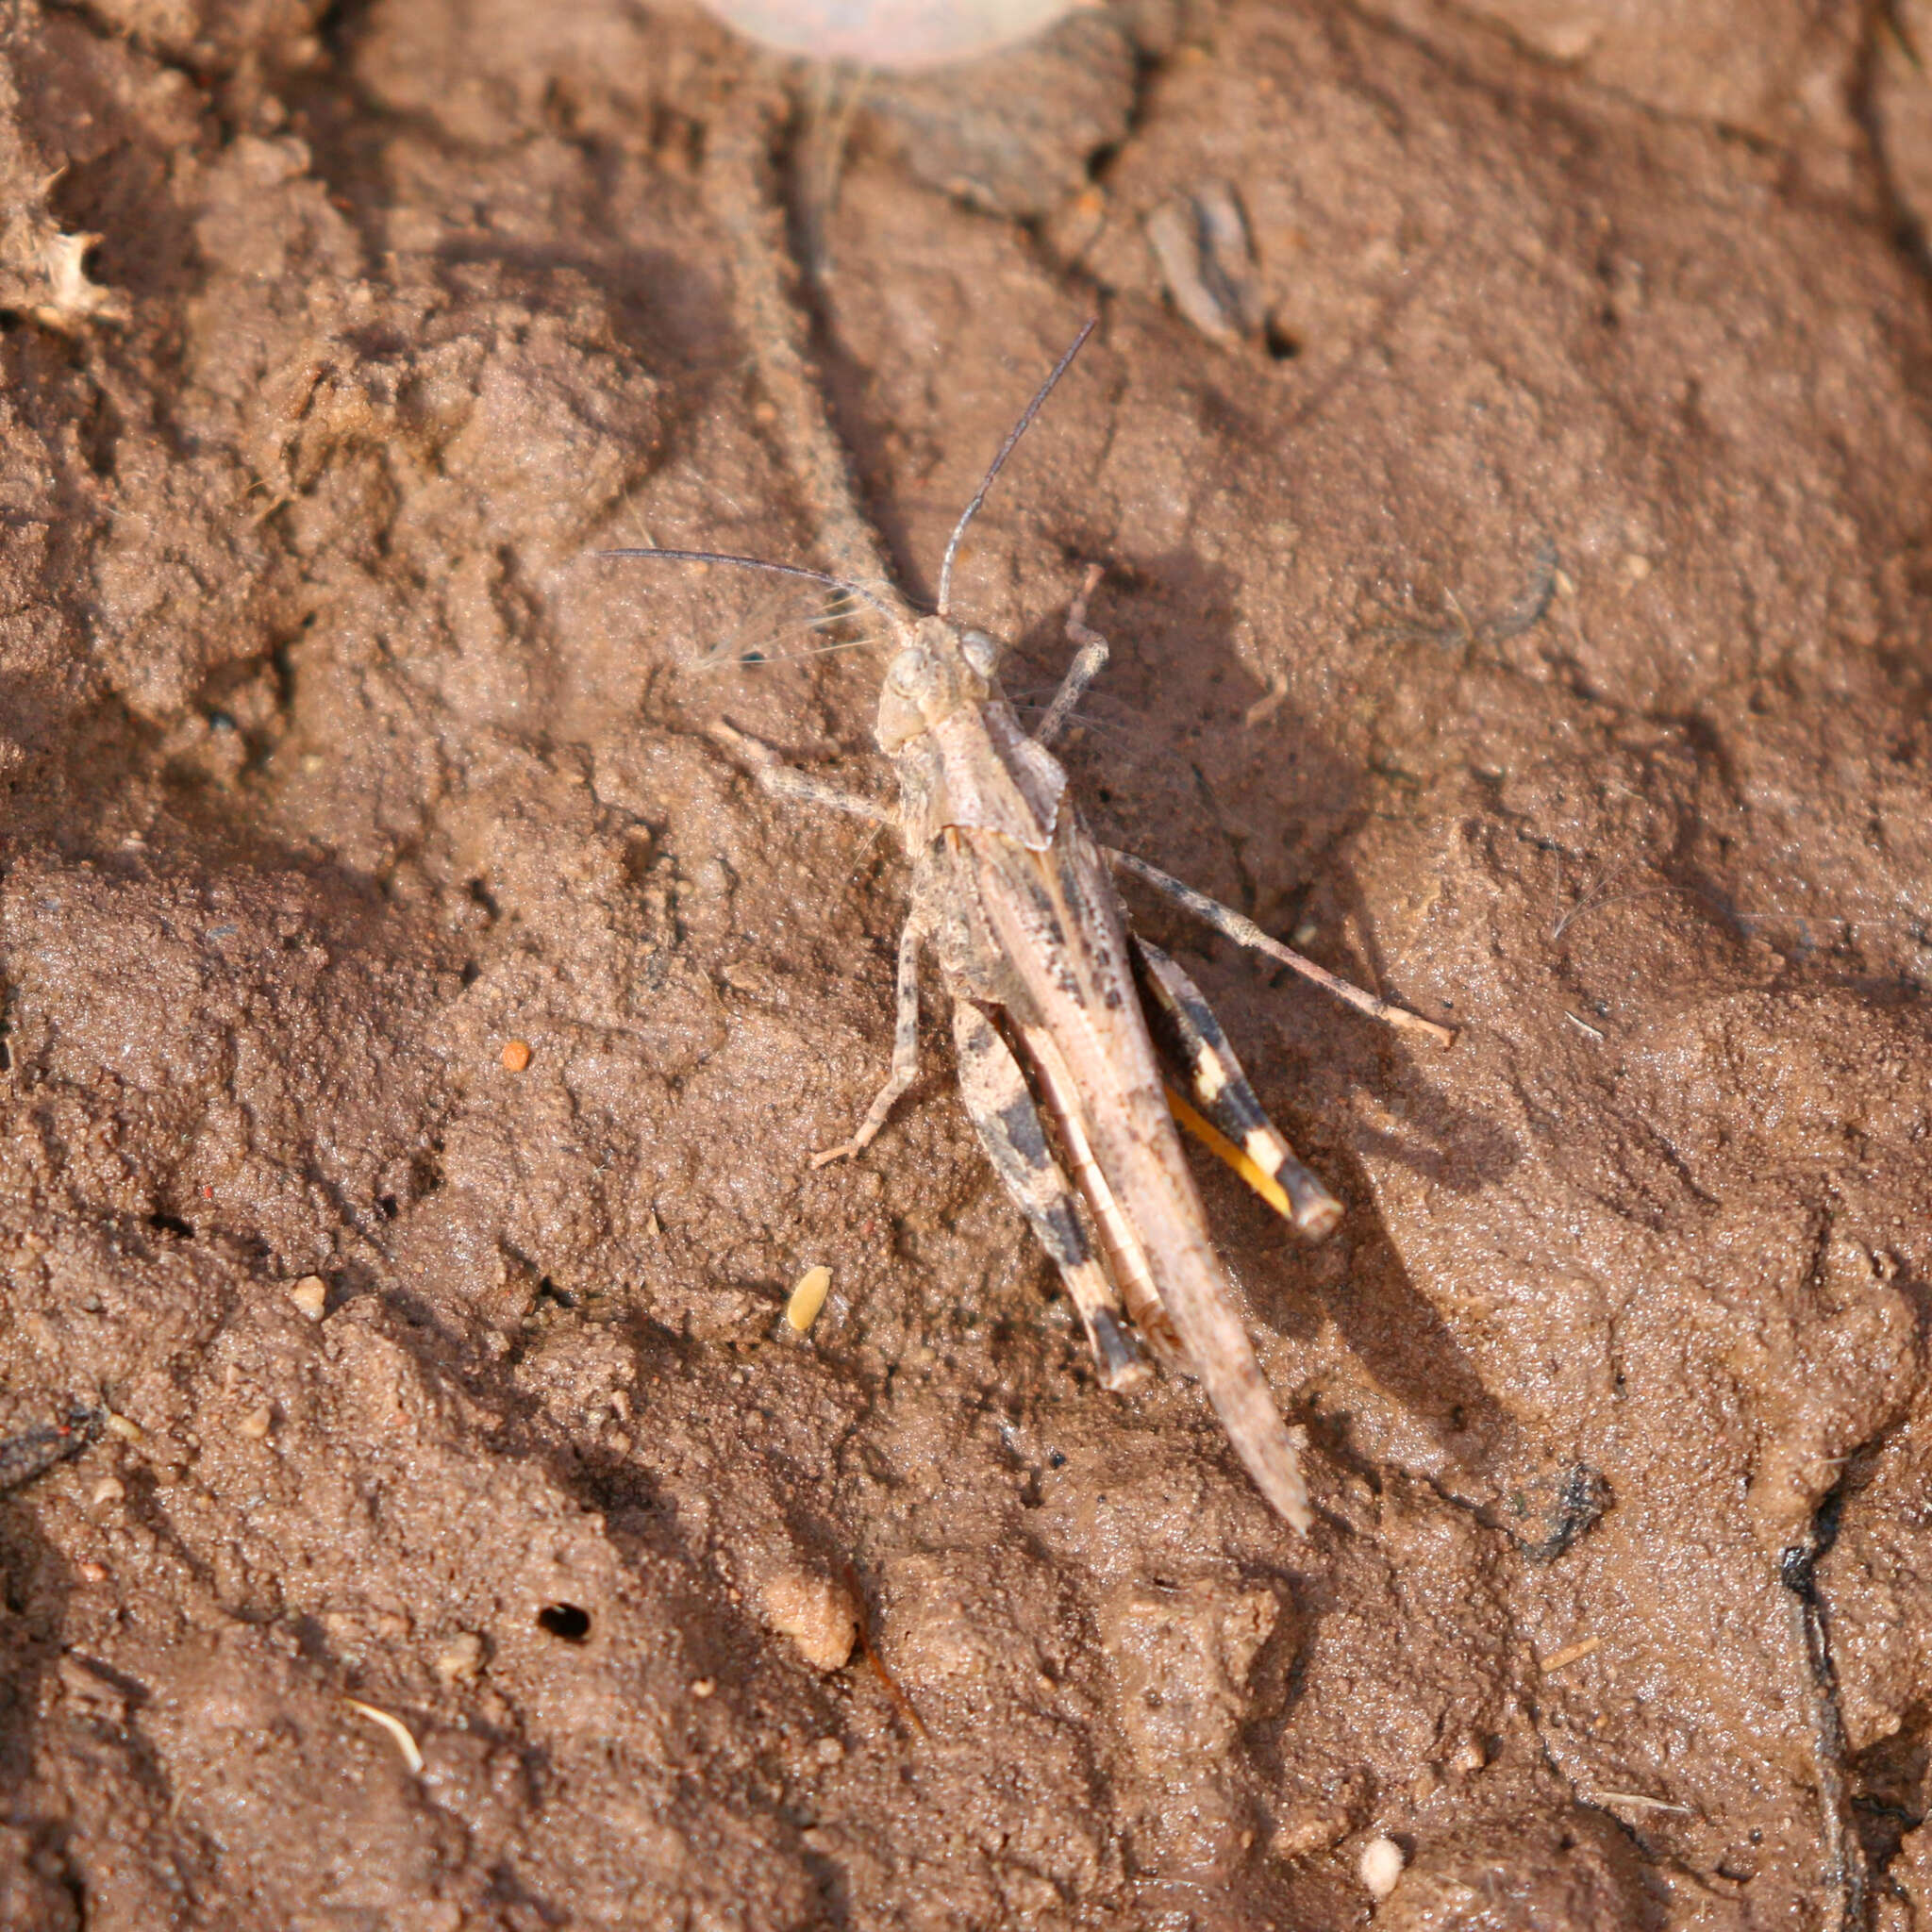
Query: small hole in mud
{"x": 388, "y": 1204}
{"x": 171, "y": 1223}
{"x": 6, "y": 1057}
{"x": 471, "y": 973}
{"x": 565, "y": 1621}
{"x": 1283, "y": 344}
{"x": 547, "y": 1291}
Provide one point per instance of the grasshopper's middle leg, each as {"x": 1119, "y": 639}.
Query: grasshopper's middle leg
{"x": 998, "y": 1104}
{"x": 905, "y": 1047}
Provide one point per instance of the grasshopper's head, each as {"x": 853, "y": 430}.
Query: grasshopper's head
{"x": 938, "y": 670}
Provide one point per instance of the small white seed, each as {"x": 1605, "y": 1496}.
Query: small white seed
{"x": 808, "y": 1298}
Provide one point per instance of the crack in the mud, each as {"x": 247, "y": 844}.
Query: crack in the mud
{"x": 1844, "y": 1878}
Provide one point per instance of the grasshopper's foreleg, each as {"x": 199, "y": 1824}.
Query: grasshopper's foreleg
{"x": 999, "y": 1105}
{"x": 1244, "y": 932}
{"x": 1189, "y": 1039}
{"x": 1089, "y": 661}
{"x": 905, "y": 1047}
{"x": 800, "y": 788}
{"x": 782, "y": 781}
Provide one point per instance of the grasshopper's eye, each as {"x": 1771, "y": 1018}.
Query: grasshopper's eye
{"x": 979, "y": 651}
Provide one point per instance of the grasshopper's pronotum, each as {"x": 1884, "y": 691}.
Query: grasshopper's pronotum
{"x": 1062, "y": 1017}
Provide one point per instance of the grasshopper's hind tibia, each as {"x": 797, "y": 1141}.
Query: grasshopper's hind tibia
{"x": 999, "y": 1107}
{"x": 1244, "y": 932}
{"x": 1189, "y": 1039}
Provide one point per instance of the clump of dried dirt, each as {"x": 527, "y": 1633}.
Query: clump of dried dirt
{"x": 1527, "y": 609}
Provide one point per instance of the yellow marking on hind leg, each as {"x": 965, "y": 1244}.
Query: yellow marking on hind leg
{"x": 1218, "y": 1144}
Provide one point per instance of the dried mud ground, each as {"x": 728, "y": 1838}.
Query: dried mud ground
{"x": 334, "y": 764}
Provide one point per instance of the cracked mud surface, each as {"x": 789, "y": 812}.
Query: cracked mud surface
{"x": 334, "y": 765}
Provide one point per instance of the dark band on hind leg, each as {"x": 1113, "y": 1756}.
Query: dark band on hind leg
{"x": 1001, "y": 1108}
{"x": 1191, "y": 1040}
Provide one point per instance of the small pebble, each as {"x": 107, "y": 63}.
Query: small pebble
{"x": 257, "y": 1422}
{"x": 702, "y": 1687}
{"x": 109, "y": 1489}
{"x": 828, "y": 1751}
{"x": 903, "y": 34}
{"x": 311, "y": 1295}
{"x": 516, "y": 1055}
{"x": 459, "y": 1660}
{"x": 1381, "y": 1865}
{"x": 816, "y": 1613}
{"x": 92, "y": 1572}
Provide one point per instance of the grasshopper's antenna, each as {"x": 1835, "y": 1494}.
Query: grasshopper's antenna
{"x": 999, "y": 462}
{"x": 783, "y": 570}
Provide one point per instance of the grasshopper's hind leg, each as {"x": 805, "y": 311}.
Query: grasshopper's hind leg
{"x": 1244, "y": 932}
{"x": 1191, "y": 1040}
{"x": 904, "y": 1048}
{"x": 999, "y": 1105}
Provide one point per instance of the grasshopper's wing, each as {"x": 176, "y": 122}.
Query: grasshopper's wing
{"x": 1058, "y": 926}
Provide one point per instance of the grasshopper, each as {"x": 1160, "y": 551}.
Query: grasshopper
{"x": 1063, "y": 1019}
